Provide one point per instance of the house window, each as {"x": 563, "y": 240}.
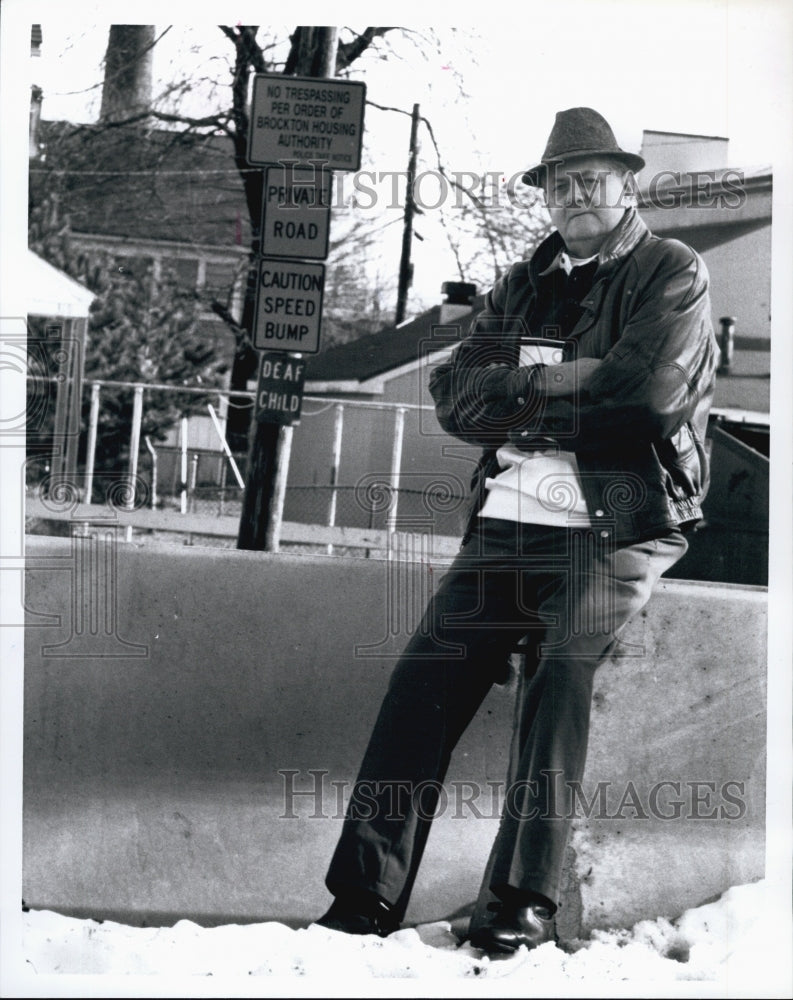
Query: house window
{"x": 185, "y": 269}
{"x": 133, "y": 266}
{"x": 219, "y": 280}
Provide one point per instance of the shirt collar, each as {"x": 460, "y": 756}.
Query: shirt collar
{"x": 619, "y": 242}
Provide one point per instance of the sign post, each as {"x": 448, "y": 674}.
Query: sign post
{"x": 301, "y": 128}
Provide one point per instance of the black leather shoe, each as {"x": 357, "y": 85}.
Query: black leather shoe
{"x": 514, "y": 926}
{"x": 360, "y": 913}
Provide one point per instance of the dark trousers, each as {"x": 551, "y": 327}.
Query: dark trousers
{"x": 571, "y": 592}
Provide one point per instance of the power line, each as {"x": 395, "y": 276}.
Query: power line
{"x": 153, "y": 171}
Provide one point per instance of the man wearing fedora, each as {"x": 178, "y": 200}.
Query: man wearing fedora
{"x": 587, "y": 381}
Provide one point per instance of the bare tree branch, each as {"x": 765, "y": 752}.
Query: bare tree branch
{"x": 219, "y": 122}
{"x": 241, "y": 335}
{"x": 247, "y": 53}
{"x": 348, "y": 52}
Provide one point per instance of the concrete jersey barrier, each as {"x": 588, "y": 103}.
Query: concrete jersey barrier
{"x": 194, "y": 718}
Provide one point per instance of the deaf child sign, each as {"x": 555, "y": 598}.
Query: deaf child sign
{"x": 279, "y": 392}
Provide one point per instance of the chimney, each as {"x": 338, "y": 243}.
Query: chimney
{"x": 458, "y": 301}
{"x": 35, "y": 39}
{"x": 36, "y": 95}
{"x": 127, "y": 88}
{"x": 680, "y": 153}
{"x": 726, "y": 344}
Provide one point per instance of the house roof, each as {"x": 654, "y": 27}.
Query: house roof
{"x": 380, "y": 352}
{"x": 143, "y": 184}
{"x": 53, "y": 293}
{"x": 724, "y": 188}
{"x": 682, "y": 135}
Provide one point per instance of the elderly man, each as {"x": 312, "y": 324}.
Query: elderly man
{"x": 587, "y": 380}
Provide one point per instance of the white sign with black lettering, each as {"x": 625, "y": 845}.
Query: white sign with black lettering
{"x": 306, "y": 119}
{"x": 288, "y": 305}
{"x": 296, "y": 213}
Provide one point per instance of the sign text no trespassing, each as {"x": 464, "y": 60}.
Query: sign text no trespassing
{"x": 306, "y": 119}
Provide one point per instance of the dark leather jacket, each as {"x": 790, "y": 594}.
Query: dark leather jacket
{"x": 638, "y": 428}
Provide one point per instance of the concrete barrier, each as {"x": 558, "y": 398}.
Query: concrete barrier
{"x": 194, "y": 718}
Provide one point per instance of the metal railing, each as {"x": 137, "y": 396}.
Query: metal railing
{"x": 193, "y": 491}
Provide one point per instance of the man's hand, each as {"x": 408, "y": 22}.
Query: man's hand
{"x": 568, "y": 377}
{"x": 503, "y": 382}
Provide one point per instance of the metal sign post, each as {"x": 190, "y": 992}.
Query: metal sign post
{"x": 301, "y": 128}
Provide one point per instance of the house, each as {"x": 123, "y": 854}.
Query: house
{"x": 149, "y": 197}
{"x": 378, "y": 385}
{"x": 725, "y": 214}
{"x": 57, "y": 320}
{"x": 689, "y": 191}
{"x": 153, "y": 197}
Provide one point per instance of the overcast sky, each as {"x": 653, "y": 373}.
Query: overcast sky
{"x": 716, "y": 67}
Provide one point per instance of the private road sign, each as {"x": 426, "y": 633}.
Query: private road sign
{"x": 310, "y": 120}
{"x": 296, "y": 213}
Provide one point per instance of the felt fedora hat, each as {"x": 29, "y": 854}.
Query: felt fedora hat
{"x": 579, "y": 132}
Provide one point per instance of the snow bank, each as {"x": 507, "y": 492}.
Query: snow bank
{"x": 715, "y": 944}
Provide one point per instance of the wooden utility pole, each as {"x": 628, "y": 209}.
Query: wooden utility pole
{"x": 316, "y": 49}
{"x": 405, "y": 265}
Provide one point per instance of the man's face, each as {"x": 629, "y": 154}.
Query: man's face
{"x": 585, "y": 198}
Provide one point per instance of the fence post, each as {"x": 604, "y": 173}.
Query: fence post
{"x": 273, "y": 537}
{"x": 396, "y": 466}
{"x": 183, "y": 490}
{"x": 222, "y": 412}
{"x": 338, "y": 429}
{"x": 134, "y": 443}
{"x": 90, "y": 457}
{"x": 153, "y": 453}
{"x": 193, "y": 480}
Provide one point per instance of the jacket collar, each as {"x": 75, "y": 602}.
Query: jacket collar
{"x": 624, "y": 238}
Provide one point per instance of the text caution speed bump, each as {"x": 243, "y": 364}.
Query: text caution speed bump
{"x": 289, "y": 305}
{"x": 279, "y": 391}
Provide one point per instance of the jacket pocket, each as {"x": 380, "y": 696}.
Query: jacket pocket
{"x": 683, "y": 459}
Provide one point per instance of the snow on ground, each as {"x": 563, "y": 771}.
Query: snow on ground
{"x": 717, "y": 943}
